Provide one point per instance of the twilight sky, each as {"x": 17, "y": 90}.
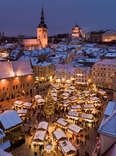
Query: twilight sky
{"x": 22, "y": 16}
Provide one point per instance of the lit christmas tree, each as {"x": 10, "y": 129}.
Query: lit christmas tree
{"x": 49, "y": 107}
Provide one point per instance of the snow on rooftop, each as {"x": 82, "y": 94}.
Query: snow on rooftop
{"x": 108, "y": 125}
{"x": 73, "y": 114}
{"x": 110, "y": 108}
{"x": 106, "y": 63}
{"x": 59, "y": 134}
{"x": 15, "y": 68}
{"x": 2, "y": 134}
{"x": 22, "y": 111}
{"x": 62, "y": 122}
{"x": 87, "y": 116}
{"x": 43, "y": 125}
{"x": 10, "y": 119}
{"x": 27, "y": 104}
{"x": 74, "y": 128}
{"x": 75, "y": 107}
{"x": 67, "y": 147}
{"x": 39, "y": 135}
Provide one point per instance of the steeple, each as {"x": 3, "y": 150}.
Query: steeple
{"x": 42, "y": 24}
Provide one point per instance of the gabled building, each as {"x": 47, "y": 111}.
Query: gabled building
{"x": 11, "y": 124}
{"x": 16, "y": 79}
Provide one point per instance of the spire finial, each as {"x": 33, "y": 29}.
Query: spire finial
{"x": 42, "y": 23}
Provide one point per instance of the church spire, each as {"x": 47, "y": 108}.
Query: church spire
{"x": 42, "y": 23}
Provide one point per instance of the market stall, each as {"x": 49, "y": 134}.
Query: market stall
{"x": 61, "y": 122}
{"x": 59, "y": 135}
{"x": 43, "y": 125}
{"x": 67, "y": 148}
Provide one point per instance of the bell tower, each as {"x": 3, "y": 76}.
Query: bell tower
{"x": 42, "y": 31}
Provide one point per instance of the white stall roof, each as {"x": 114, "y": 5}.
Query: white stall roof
{"x": 88, "y": 106}
{"x": 40, "y": 100}
{"x": 62, "y": 122}
{"x": 38, "y": 96}
{"x": 86, "y": 92}
{"x": 87, "y": 116}
{"x": 67, "y": 147}
{"x": 66, "y": 102}
{"x": 27, "y": 104}
{"x": 72, "y": 87}
{"x": 22, "y": 111}
{"x": 74, "y": 128}
{"x": 75, "y": 107}
{"x": 54, "y": 94}
{"x": 10, "y": 119}
{"x": 73, "y": 98}
{"x": 65, "y": 94}
{"x": 39, "y": 135}
{"x": 72, "y": 113}
{"x": 18, "y": 103}
{"x": 59, "y": 134}
{"x": 94, "y": 98}
{"x": 43, "y": 125}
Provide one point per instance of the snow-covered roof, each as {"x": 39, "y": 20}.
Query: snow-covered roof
{"x": 88, "y": 106}
{"x": 59, "y": 134}
{"x": 75, "y": 107}
{"x": 18, "y": 102}
{"x": 27, "y": 104}
{"x": 22, "y": 67}
{"x": 22, "y": 111}
{"x": 40, "y": 100}
{"x": 38, "y": 96}
{"x": 10, "y": 119}
{"x": 14, "y": 54}
{"x": 65, "y": 94}
{"x": 106, "y": 63}
{"x": 67, "y": 147}
{"x": 108, "y": 125}
{"x": 110, "y": 108}
{"x": 43, "y": 125}
{"x": 62, "y": 122}
{"x": 5, "y": 145}
{"x": 108, "y": 32}
{"x": 15, "y": 68}
{"x": 74, "y": 128}
{"x": 3, "y": 153}
{"x": 72, "y": 113}
{"x": 111, "y": 54}
{"x": 87, "y": 116}
{"x": 1, "y": 134}
{"x": 9, "y": 45}
{"x": 39, "y": 135}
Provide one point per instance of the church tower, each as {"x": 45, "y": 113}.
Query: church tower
{"x": 42, "y": 31}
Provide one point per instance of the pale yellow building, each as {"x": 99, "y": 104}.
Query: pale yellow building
{"x": 103, "y": 72}
{"x": 42, "y": 36}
